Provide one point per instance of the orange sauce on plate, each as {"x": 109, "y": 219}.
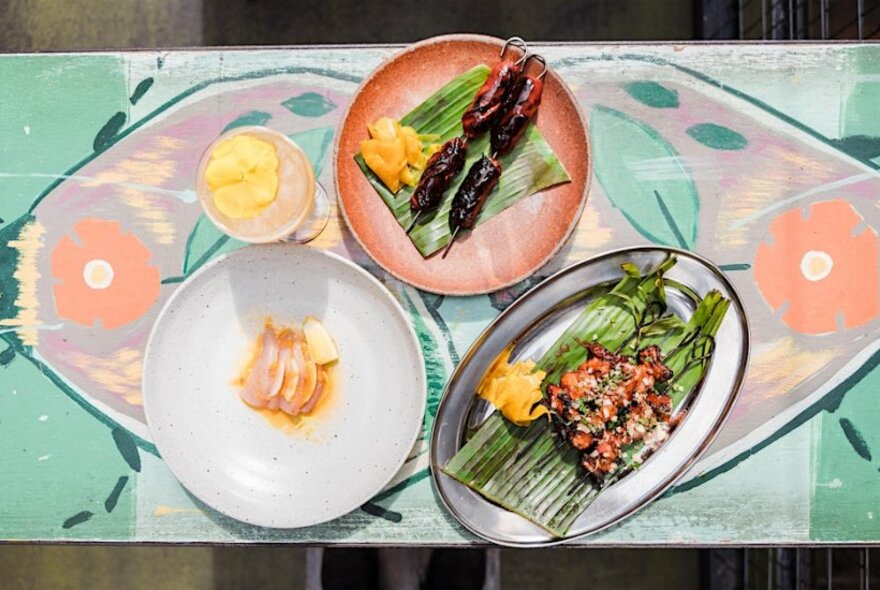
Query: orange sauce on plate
{"x": 302, "y": 423}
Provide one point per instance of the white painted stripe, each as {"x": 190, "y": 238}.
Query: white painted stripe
{"x": 187, "y": 196}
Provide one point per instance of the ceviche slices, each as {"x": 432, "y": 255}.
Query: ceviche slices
{"x": 288, "y": 368}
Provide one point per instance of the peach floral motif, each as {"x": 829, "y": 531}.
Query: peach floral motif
{"x": 820, "y": 268}
{"x": 104, "y": 275}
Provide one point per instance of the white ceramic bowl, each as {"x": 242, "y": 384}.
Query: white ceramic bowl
{"x": 228, "y": 454}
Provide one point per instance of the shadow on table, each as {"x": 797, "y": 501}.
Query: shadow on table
{"x": 340, "y": 529}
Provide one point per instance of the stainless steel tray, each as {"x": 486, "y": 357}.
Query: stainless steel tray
{"x": 533, "y": 323}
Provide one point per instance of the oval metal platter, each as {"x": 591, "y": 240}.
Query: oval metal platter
{"x": 534, "y": 323}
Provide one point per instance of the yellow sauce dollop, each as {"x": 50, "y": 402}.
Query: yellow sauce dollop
{"x": 243, "y": 176}
{"x": 514, "y": 389}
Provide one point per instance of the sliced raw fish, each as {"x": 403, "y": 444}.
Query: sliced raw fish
{"x": 316, "y": 396}
{"x": 264, "y": 371}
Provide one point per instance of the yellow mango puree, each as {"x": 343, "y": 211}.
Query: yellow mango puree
{"x": 514, "y": 389}
{"x": 243, "y": 176}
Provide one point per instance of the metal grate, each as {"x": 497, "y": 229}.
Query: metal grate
{"x": 790, "y": 569}
{"x": 781, "y": 20}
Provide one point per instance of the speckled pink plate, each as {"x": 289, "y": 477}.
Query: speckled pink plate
{"x": 507, "y": 248}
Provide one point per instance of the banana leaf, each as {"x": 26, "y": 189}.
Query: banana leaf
{"x": 530, "y": 167}
{"x": 529, "y": 469}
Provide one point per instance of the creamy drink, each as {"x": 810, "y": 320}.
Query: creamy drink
{"x": 256, "y": 184}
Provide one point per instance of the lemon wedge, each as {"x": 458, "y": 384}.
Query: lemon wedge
{"x": 322, "y": 349}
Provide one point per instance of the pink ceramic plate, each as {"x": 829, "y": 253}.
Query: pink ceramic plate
{"x": 507, "y": 248}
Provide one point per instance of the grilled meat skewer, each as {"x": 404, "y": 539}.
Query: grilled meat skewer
{"x": 439, "y": 172}
{"x": 492, "y": 95}
{"x": 521, "y": 106}
{"x": 471, "y": 195}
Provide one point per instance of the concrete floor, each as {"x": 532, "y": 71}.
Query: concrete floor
{"x": 233, "y": 568}
{"x": 150, "y": 568}
{"x": 46, "y": 25}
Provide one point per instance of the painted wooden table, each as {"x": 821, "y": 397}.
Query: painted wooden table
{"x": 766, "y": 156}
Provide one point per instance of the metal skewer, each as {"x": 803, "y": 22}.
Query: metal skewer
{"x": 540, "y": 59}
{"x": 414, "y": 221}
{"x": 517, "y": 42}
{"x": 451, "y": 241}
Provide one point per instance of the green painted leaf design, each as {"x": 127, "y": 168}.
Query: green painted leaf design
{"x": 140, "y": 90}
{"x": 376, "y": 510}
{"x": 315, "y": 143}
{"x": 249, "y": 118}
{"x": 9, "y": 287}
{"x": 862, "y": 147}
{"x": 127, "y": 448}
{"x": 78, "y": 518}
{"x": 652, "y": 94}
{"x": 642, "y": 175}
{"x": 408, "y": 482}
{"x": 206, "y": 241}
{"x": 113, "y": 498}
{"x": 435, "y": 369}
{"x": 309, "y": 104}
{"x": 109, "y": 131}
{"x": 717, "y": 137}
{"x": 7, "y": 356}
{"x": 856, "y": 439}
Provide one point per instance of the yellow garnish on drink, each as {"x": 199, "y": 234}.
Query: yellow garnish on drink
{"x": 514, "y": 389}
{"x": 395, "y": 153}
{"x": 243, "y": 176}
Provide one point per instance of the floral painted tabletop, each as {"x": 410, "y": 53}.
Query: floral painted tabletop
{"x": 762, "y": 158}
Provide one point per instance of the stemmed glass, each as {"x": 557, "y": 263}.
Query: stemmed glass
{"x": 300, "y": 209}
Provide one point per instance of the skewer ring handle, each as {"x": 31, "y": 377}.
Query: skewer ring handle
{"x": 542, "y": 61}
{"x": 519, "y": 43}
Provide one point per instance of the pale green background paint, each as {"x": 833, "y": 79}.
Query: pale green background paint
{"x": 51, "y": 109}
{"x": 57, "y": 461}
{"x": 859, "y": 115}
{"x": 846, "y": 497}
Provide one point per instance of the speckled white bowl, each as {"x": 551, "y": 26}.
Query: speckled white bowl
{"x": 229, "y": 455}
